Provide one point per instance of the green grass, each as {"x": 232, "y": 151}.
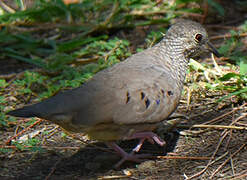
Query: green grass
{"x": 234, "y": 83}
{"x": 69, "y": 44}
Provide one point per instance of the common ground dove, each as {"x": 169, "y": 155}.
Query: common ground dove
{"x": 129, "y": 99}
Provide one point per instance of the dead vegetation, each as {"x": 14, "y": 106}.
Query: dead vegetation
{"x": 209, "y": 143}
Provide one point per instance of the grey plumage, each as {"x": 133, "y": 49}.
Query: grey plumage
{"x": 132, "y": 96}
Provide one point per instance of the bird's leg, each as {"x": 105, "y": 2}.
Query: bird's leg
{"x": 150, "y": 136}
{"x": 139, "y": 145}
{"x": 125, "y": 156}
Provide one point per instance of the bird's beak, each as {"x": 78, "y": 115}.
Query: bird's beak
{"x": 212, "y": 49}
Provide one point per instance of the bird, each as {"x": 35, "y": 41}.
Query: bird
{"x": 130, "y": 99}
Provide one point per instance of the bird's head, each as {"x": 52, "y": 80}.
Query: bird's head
{"x": 190, "y": 37}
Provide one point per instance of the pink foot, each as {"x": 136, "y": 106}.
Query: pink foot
{"x": 150, "y": 136}
{"x": 125, "y": 156}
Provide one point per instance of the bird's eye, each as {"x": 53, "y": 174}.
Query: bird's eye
{"x": 198, "y": 38}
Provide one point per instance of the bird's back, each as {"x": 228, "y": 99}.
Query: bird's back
{"x": 138, "y": 90}
{"x": 131, "y": 96}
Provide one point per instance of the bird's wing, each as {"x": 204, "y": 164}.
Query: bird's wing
{"x": 133, "y": 91}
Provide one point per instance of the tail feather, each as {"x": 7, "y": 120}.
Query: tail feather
{"x": 23, "y": 112}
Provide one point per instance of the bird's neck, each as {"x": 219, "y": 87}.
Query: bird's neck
{"x": 175, "y": 59}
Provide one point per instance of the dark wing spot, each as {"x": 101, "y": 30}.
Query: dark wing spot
{"x": 142, "y": 95}
{"x": 169, "y": 93}
{"x": 127, "y": 97}
{"x": 147, "y": 103}
{"x": 158, "y": 102}
{"x": 162, "y": 92}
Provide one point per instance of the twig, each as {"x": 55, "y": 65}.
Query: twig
{"x": 44, "y": 147}
{"x": 6, "y": 7}
{"x": 214, "y": 126}
{"x": 82, "y": 61}
{"x": 232, "y": 166}
{"x": 228, "y": 36}
{"x": 228, "y": 159}
{"x": 219, "y": 158}
{"x": 210, "y": 161}
{"x": 14, "y": 76}
{"x": 53, "y": 169}
{"x": 7, "y": 76}
{"x": 188, "y": 98}
{"x": 228, "y": 140}
{"x": 236, "y": 120}
{"x": 17, "y": 76}
{"x": 205, "y": 12}
{"x": 113, "y": 177}
{"x": 113, "y": 12}
{"x": 223, "y": 27}
{"x": 149, "y": 13}
{"x": 226, "y": 114}
{"x": 241, "y": 124}
{"x": 70, "y": 1}
{"x": 112, "y": 50}
{"x": 183, "y": 157}
{"x": 240, "y": 175}
{"x": 216, "y": 65}
{"x": 54, "y": 130}
{"x": 220, "y": 58}
{"x": 24, "y": 130}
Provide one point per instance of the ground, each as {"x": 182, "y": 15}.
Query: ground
{"x": 76, "y": 160}
{"x": 76, "y": 157}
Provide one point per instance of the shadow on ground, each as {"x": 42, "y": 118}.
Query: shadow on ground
{"x": 88, "y": 162}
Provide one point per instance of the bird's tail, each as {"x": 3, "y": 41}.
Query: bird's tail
{"x": 25, "y": 112}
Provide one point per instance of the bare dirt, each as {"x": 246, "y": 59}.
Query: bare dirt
{"x": 70, "y": 158}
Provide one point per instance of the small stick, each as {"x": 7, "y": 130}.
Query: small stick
{"x": 53, "y": 169}
{"x": 113, "y": 177}
{"x": 241, "y": 124}
{"x": 228, "y": 36}
{"x": 183, "y": 157}
{"x": 44, "y": 147}
{"x": 210, "y": 161}
{"x": 223, "y": 27}
{"x": 218, "y": 69}
{"x": 217, "y": 127}
{"x": 6, "y": 7}
{"x": 21, "y": 132}
{"x": 142, "y": 13}
{"x": 223, "y": 115}
{"x": 205, "y": 12}
{"x": 226, "y": 161}
{"x": 7, "y": 76}
{"x": 236, "y": 120}
{"x": 240, "y": 175}
{"x": 232, "y": 166}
